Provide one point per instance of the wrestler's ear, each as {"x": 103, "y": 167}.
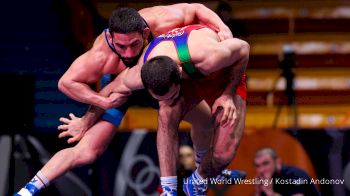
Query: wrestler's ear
{"x": 146, "y": 33}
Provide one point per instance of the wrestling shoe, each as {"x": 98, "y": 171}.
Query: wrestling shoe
{"x": 169, "y": 192}
{"x": 231, "y": 175}
{"x": 192, "y": 187}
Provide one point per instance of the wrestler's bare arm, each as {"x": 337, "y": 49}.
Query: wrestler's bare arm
{"x": 169, "y": 118}
{"x": 231, "y": 54}
{"x": 85, "y": 70}
{"x": 223, "y": 54}
{"x": 164, "y": 18}
{"x": 126, "y": 82}
{"x": 116, "y": 93}
{"x": 240, "y": 58}
{"x": 209, "y": 18}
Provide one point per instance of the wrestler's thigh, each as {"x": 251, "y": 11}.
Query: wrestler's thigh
{"x": 200, "y": 113}
{"x": 229, "y": 137}
{"x": 98, "y": 136}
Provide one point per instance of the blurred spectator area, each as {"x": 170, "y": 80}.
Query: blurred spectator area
{"x": 317, "y": 31}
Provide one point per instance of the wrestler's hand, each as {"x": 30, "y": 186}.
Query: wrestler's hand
{"x": 115, "y": 100}
{"x": 229, "y": 114}
{"x": 225, "y": 33}
{"x": 74, "y": 127}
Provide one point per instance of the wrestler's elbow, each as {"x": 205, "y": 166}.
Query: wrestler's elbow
{"x": 238, "y": 52}
{"x": 244, "y": 49}
{"x": 238, "y": 47}
{"x": 198, "y": 6}
{"x": 201, "y": 12}
{"x": 244, "y": 54}
{"x": 62, "y": 85}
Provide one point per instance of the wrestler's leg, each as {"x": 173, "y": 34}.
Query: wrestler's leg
{"x": 225, "y": 144}
{"x": 202, "y": 129}
{"x": 167, "y": 142}
{"x": 88, "y": 149}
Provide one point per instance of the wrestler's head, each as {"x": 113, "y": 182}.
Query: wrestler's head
{"x": 266, "y": 163}
{"x": 161, "y": 76}
{"x": 128, "y": 33}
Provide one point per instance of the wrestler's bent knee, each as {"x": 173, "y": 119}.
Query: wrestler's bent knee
{"x": 85, "y": 156}
{"x": 224, "y": 158}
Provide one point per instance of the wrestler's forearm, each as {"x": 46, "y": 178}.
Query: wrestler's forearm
{"x": 94, "y": 112}
{"x": 116, "y": 86}
{"x": 92, "y": 115}
{"x": 127, "y": 81}
{"x": 209, "y": 18}
{"x": 167, "y": 140}
{"x": 80, "y": 92}
{"x": 167, "y": 147}
{"x": 236, "y": 72}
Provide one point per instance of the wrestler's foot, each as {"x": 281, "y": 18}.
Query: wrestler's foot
{"x": 168, "y": 192}
{"x": 28, "y": 190}
{"x": 232, "y": 175}
{"x": 195, "y": 187}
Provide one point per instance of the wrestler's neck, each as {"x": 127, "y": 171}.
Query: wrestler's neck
{"x": 101, "y": 45}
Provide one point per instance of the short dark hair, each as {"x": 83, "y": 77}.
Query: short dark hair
{"x": 126, "y": 20}
{"x": 159, "y": 73}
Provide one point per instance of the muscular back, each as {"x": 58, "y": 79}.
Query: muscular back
{"x": 200, "y": 43}
{"x": 207, "y": 52}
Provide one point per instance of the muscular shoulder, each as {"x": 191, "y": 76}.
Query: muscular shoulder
{"x": 100, "y": 44}
{"x": 96, "y": 58}
{"x": 99, "y": 52}
{"x": 92, "y": 61}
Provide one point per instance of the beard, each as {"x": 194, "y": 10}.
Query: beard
{"x": 130, "y": 62}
